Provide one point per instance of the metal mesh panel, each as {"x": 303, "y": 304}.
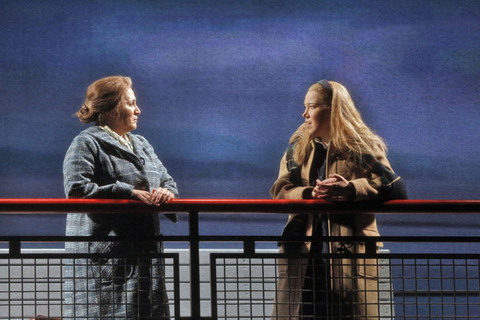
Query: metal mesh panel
{"x": 59, "y": 286}
{"x": 29, "y": 287}
{"x": 436, "y": 288}
{"x": 246, "y": 286}
{"x": 237, "y": 285}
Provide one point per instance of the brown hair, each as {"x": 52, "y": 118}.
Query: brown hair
{"x": 103, "y": 96}
{"x": 348, "y": 131}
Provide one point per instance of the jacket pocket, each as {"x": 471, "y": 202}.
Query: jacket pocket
{"x": 295, "y": 229}
{"x": 109, "y": 269}
{"x": 366, "y": 267}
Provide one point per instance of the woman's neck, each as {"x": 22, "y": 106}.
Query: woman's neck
{"x": 117, "y": 129}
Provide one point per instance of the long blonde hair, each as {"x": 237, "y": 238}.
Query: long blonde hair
{"x": 348, "y": 131}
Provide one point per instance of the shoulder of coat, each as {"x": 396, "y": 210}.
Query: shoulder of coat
{"x": 139, "y": 140}
{"x": 89, "y": 136}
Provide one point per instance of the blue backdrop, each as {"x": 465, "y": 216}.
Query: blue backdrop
{"x": 221, "y": 87}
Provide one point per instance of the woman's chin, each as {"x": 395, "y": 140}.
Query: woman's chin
{"x": 313, "y": 134}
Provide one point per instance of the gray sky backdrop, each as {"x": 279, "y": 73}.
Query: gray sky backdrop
{"x": 221, "y": 87}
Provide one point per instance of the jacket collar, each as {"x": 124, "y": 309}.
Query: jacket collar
{"x": 107, "y": 139}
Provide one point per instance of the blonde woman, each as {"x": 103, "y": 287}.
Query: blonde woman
{"x": 335, "y": 156}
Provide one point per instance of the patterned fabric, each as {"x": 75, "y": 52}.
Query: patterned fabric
{"x": 388, "y": 177}
{"x": 392, "y": 184}
{"x": 98, "y": 166}
{"x": 126, "y": 140}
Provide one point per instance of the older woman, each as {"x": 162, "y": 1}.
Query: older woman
{"x": 107, "y": 161}
{"x": 333, "y": 155}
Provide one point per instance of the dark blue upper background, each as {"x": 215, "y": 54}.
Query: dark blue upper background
{"x": 221, "y": 87}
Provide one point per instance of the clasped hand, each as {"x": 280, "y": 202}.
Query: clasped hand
{"x": 335, "y": 187}
{"x": 156, "y": 197}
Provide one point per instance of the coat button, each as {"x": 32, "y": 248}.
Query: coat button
{"x": 142, "y": 161}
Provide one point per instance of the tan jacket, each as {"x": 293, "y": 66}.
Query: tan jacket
{"x": 364, "y": 273}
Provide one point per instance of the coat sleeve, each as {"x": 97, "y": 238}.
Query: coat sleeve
{"x": 284, "y": 188}
{"x": 79, "y": 173}
{"x": 168, "y": 183}
{"x": 166, "y": 180}
{"x": 369, "y": 188}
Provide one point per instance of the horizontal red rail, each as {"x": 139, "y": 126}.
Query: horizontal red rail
{"x": 234, "y": 205}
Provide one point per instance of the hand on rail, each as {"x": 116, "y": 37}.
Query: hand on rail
{"x": 143, "y": 195}
{"x": 161, "y": 195}
{"x": 156, "y": 197}
{"x": 334, "y": 188}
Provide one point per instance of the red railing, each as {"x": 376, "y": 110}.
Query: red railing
{"x": 234, "y": 205}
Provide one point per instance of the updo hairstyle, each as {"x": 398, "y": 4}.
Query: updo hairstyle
{"x": 103, "y": 96}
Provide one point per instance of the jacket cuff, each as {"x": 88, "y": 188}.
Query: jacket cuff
{"x": 123, "y": 190}
{"x": 298, "y": 193}
{"x": 362, "y": 189}
{"x": 307, "y": 193}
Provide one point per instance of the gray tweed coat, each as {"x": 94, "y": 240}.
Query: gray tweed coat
{"x": 98, "y": 166}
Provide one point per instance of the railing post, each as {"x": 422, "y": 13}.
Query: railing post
{"x": 370, "y": 248}
{"x": 249, "y": 247}
{"x": 14, "y": 247}
{"x": 194, "y": 265}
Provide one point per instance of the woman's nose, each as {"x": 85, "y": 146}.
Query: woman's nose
{"x": 137, "y": 110}
{"x": 305, "y": 114}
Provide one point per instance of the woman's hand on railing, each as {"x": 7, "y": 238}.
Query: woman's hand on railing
{"x": 161, "y": 195}
{"x": 143, "y": 195}
{"x": 335, "y": 188}
{"x": 156, "y": 197}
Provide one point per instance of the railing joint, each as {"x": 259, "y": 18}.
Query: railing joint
{"x": 249, "y": 247}
{"x": 371, "y": 248}
{"x": 15, "y": 247}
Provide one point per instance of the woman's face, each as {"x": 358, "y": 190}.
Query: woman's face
{"x": 128, "y": 115}
{"x": 317, "y": 116}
